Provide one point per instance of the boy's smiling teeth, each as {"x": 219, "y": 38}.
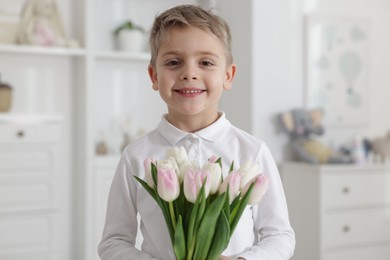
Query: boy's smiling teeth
{"x": 190, "y": 91}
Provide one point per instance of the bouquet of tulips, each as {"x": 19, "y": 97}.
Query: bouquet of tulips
{"x": 200, "y": 207}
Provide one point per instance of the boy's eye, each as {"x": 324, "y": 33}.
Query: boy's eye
{"x": 172, "y": 63}
{"x": 206, "y": 63}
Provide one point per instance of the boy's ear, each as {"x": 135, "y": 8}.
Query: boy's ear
{"x": 153, "y": 76}
{"x": 229, "y": 76}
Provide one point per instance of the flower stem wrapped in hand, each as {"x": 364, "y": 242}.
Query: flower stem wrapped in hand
{"x": 200, "y": 208}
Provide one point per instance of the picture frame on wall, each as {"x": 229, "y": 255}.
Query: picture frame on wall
{"x": 336, "y": 68}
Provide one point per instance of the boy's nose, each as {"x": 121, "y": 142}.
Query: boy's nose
{"x": 189, "y": 77}
{"x": 189, "y": 73}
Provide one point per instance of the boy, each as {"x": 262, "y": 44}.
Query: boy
{"x": 191, "y": 65}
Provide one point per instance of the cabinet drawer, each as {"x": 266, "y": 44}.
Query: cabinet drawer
{"x": 356, "y": 189}
{"x": 19, "y": 133}
{"x": 24, "y": 194}
{"x": 38, "y": 161}
{"x": 29, "y": 233}
{"x": 31, "y": 256}
{"x": 379, "y": 252}
{"x": 356, "y": 227}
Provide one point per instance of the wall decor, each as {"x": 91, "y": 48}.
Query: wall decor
{"x": 337, "y": 64}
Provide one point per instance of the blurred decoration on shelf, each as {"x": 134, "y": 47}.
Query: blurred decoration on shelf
{"x": 9, "y": 17}
{"x": 118, "y": 135}
{"x": 114, "y": 137}
{"x": 41, "y": 24}
{"x": 301, "y": 125}
{"x": 130, "y": 37}
{"x": 380, "y": 148}
{"x": 5, "y": 96}
{"x": 101, "y": 145}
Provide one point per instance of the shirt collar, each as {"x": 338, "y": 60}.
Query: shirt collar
{"x": 210, "y": 133}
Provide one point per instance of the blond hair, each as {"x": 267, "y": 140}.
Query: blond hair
{"x": 185, "y": 16}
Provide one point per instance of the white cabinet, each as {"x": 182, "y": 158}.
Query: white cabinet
{"x": 339, "y": 212}
{"x": 99, "y": 92}
{"x": 33, "y": 204}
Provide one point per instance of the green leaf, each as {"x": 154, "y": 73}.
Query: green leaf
{"x": 162, "y": 204}
{"x": 219, "y": 161}
{"x": 207, "y": 227}
{"x": 179, "y": 244}
{"x": 151, "y": 191}
{"x": 239, "y": 209}
{"x": 235, "y": 202}
{"x": 128, "y": 25}
{"x": 196, "y": 214}
{"x": 167, "y": 216}
{"x": 221, "y": 237}
{"x": 201, "y": 210}
{"x": 227, "y": 205}
{"x": 154, "y": 174}
{"x": 231, "y": 167}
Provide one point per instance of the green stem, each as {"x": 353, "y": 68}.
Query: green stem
{"x": 191, "y": 250}
{"x": 173, "y": 218}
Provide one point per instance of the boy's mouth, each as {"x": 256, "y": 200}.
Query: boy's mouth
{"x": 189, "y": 91}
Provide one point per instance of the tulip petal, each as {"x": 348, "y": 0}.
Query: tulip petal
{"x": 261, "y": 185}
{"x": 168, "y": 186}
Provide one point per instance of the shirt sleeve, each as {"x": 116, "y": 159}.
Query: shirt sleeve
{"x": 120, "y": 230}
{"x": 271, "y": 222}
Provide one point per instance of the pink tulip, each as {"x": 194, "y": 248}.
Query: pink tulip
{"x": 168, "y": 187}
{"x": 213, "y": 159}
{"x": 148, "y": 171}
{"x": 193, "y": 181}
{"x": 233, "y": 180}
{"x": 169, "y": 163}
{"x": 261, "y": 186}
{"x": 184, "y": 168}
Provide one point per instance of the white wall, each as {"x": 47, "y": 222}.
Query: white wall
{"x": 377, "y": 11}
{"x": 267, "y": 45}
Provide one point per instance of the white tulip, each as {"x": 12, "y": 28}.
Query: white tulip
{"x": 248, "y": 171}
{"x": 215, "y": 175}
{"x": 177, "y": 153}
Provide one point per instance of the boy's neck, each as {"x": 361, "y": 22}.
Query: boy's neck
{"x": 192, "y": 124}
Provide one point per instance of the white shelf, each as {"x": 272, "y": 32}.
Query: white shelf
{"x": 29, "y": 118}
{"x": 126, "y": 56}
{"x": 37, "y": 50}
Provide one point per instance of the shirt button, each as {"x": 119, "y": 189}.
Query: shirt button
{"x": 193, "y": 154}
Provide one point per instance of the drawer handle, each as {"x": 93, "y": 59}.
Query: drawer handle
{"x": 346, "y": 190}
{"x": 346, "y": 229}
{"x": 20, "y": 134}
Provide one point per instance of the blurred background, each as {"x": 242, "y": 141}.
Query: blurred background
{"x": 74, "y": 91}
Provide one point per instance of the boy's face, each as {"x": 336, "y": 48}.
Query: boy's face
{"x": 191, "y": 74}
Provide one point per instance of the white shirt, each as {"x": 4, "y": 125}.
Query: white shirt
{"x": 263, "y": 232}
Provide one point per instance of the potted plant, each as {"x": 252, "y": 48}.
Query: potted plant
{"x": 130, "y": 36}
